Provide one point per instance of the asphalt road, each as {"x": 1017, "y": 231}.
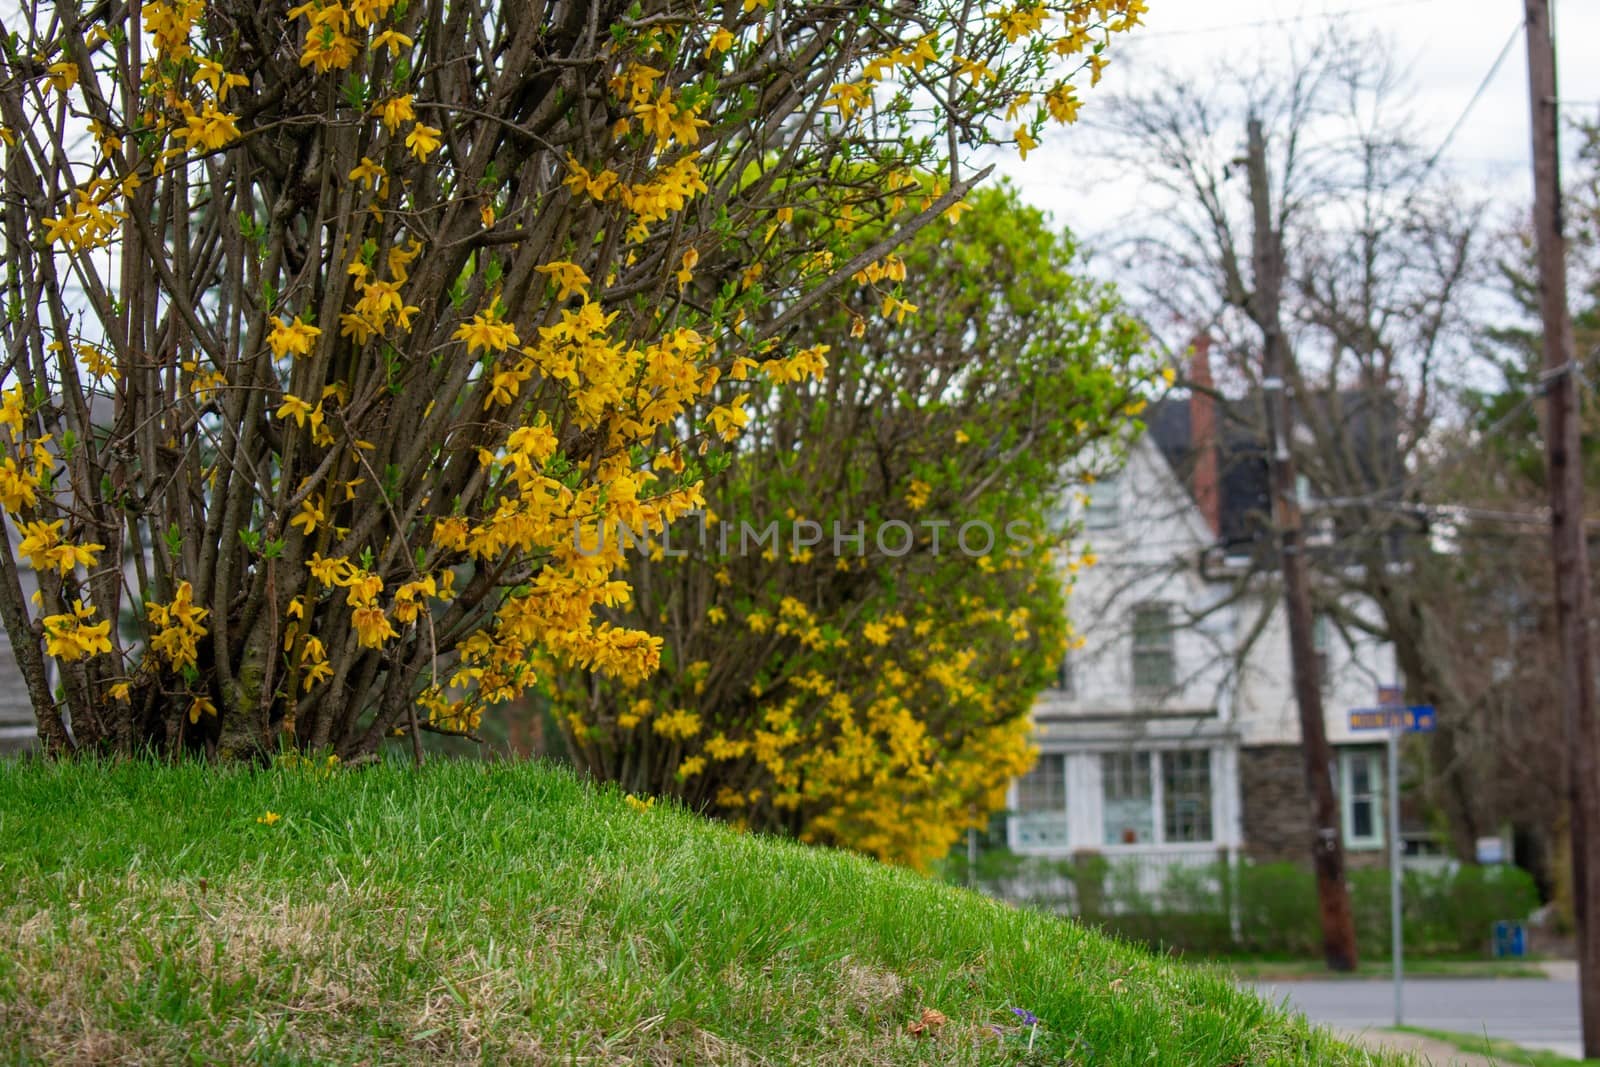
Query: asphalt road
{"x": 1533, "y": 1012}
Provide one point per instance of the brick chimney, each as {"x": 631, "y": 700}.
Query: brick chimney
{"x": 1203, "y": 435}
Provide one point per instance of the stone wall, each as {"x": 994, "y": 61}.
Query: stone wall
{"x": 1276, "y": 813}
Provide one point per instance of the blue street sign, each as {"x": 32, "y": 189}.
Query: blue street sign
{"x": 1416, "y": 719}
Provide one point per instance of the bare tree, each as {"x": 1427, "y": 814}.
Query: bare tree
{"x": 1367, "y": 260}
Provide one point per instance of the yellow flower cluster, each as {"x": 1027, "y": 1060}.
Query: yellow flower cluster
{"x": 177, "y": 628}
{"x": 42, "y": 545}
{"x": 87, "y": 223}
{"x": 74, "y": 637}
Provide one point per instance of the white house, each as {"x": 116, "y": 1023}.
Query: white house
{"x": 1173, "y": 735}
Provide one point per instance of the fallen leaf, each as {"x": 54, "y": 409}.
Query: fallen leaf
{"x": 929, "y": 1024}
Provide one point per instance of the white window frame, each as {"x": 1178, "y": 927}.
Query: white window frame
{"x": 1169, "y": 648}
{"x": 1065, "y": 682}
{"x": 1103, "y": 509}
{"x": 1042, "y": 829}
{"x": 1158, "y": 802}
{"x": 1134, "y": 757}
{"x": 1159, "y": 770}
{"x": 1374, "y": 759}
{"x": 1322, "y": 646}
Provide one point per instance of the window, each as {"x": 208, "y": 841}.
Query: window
{"x": 1153, "y": 665}
{"x": 1186, "y": 796}
{"x": 1105, "y": 497}
{"x": 1041, "y": 817}
{"x": 1064, "y": 683}
{"x": 1361, "y": 797}
{"x": 1321, "y": 630}
{"x": 1128, "y": 799}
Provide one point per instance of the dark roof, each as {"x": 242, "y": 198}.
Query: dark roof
{"x": 1366, "y": 426}
{"x": 1244, "y": 494}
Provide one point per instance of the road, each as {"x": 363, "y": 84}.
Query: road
{"x": 1535, "y": 1013}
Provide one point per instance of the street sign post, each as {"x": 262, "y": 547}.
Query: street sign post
{"x": 1416, "y": 719}
{"x": 1395, "y": 718}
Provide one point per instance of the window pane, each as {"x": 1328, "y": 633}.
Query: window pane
{"x": 1127, "y": 806}
{"x": 1044, "y": 788}
{"x": 1042, "y": 804}
{"x": 1063, "y": 680}
{"x": 1362, "y": 785}
{"x": 1186, "y": 796}
{"x": 1361, "y": 818}
{"x": 1153, "y": 666}
{"x": 1103, "y": 504}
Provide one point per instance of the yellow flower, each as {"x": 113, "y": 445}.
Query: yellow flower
{"x": 569, "y": 278}
{"x": 372, "y": 627}
{"x": 581, "y": 181}
{"x": 369, "y": 174}
{"x": 396, "y": 112}
{"x": 422, "y": 140}
{"x": 295, "y": 408}
{"x": 485, "y": 332}
{"x": 392, "y": 40}
{"x": 640, "y": 805}
{"x": 295, "y": 336}
{"x": 730, "y": 418}
{"x": 210, "y": 129}
{"x": 686, "y": 271}
{"x": 328, "y": 571}
{"x": 678, "y": 724}
{"x": 310, "y": 515}
{"x": 1063, "y": 103}
{"x": 1025, "y": 142}
{"x": 720, "y": 41}
{"x": 269, "y": 818}
{"x": 201, "y": 706}
{"x": 72, "y": 637}
{"x": 63, "y": 76}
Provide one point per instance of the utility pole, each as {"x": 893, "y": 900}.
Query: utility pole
{"x": 1564, "y": 473}
{"x": 1327, "y": 847}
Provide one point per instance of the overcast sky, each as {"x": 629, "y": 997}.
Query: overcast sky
{"x": 1447, "y": 47}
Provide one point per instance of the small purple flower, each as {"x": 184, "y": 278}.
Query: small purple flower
{"x": 1028, "y": 1018}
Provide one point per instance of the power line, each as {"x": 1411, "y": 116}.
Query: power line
{"x": 1477, "y": 94}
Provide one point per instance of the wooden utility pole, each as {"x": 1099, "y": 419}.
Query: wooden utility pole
{"x": 1564, "y": 474}
{"x": 1327, "y": 846}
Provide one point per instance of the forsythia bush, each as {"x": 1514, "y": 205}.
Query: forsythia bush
{"x": 331, "y": 330}
{"x": 855, "y": 634}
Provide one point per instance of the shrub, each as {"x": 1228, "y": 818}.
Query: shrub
{"x": 1448, "y": 912}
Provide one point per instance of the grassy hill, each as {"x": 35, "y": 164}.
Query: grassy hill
{"x": 509, "y": 913}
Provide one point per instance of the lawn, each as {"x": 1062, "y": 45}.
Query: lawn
{"x": 474, "y": 912}
{"x": 1503, "y": 1052}
{"x": 1251, "y": 969}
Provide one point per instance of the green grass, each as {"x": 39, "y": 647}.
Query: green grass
{"x": 1504, "y": 1052}
{"x": 509, "y": 913}
{"x": 1270, "y": 970}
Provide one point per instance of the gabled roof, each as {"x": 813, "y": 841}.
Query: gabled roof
{"x": 1364, "y": 422}
{"x": 1244, "y": 494}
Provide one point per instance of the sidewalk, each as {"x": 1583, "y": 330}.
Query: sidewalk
{"x": 1429, "y": 1053}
